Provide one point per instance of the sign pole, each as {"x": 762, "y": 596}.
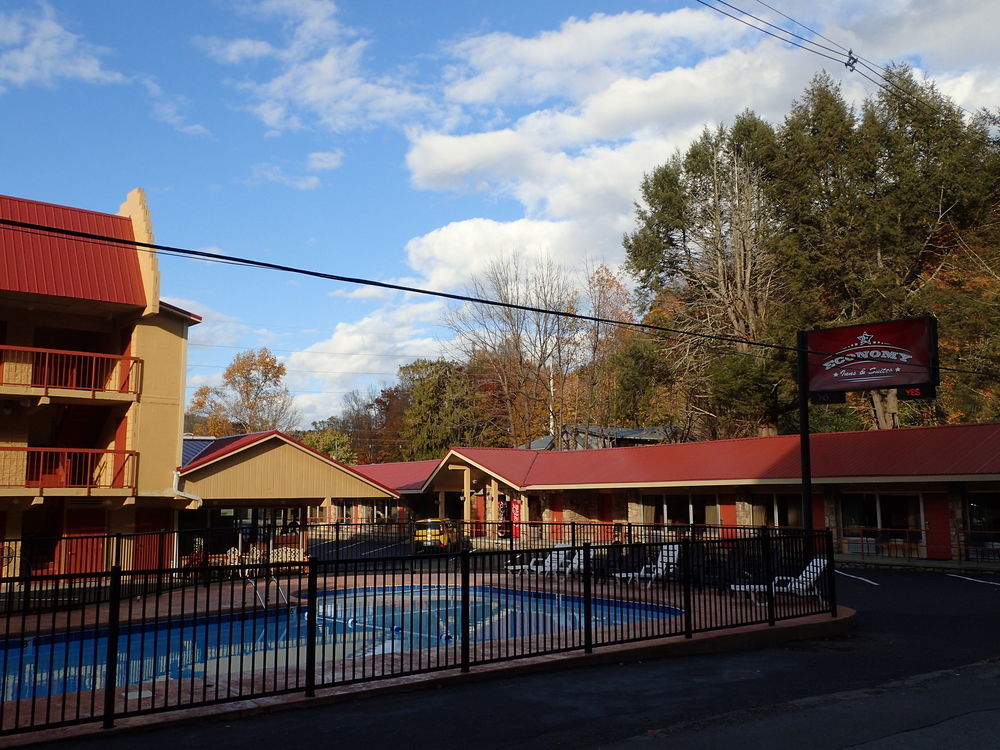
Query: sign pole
{"x": 805, "y": 454}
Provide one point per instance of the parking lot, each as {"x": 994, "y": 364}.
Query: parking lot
{"x": 909, "y": 624}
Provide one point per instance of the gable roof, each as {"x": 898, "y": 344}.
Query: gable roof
{"x": 63, "y": 266}
{"x": 224, "y": 447}
{"x": 404, "y": 477}
{"x": 917, "y": 453}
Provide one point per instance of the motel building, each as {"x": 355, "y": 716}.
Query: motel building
{"x": 928, "y": 493}
{"x": 94, "y": 471}
{"x": 92, "y": 364}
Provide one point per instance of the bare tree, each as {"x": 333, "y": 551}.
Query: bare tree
{"x": 527, "y": 356}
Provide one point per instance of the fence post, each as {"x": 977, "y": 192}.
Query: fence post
{"x": 572, "y": 533}
{"x": 336, "y": 542}
{"x": 117, "y": 561}
{"x": 465, "y": 558}
{"x": 588, "y": 620}
{"x": 311, "y": 616}
{"x": 628, "y": 533}
{"x": 765, "y": 546}
{"x": 831, "y": 577}
{"x": 686, "y": 580}
{"x": 111, "y": 652}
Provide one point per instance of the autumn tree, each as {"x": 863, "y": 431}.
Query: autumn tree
{"x": 330, "y": 442}
{"x": 372, "y": 421}
{"x": 251, "y": 398}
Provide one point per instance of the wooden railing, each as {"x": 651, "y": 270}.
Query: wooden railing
{"x": 48, "y": 369}
{"x": 67, "y": 468}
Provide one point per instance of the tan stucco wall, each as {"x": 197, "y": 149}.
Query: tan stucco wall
{"x": 275, "y": 470}
{"x": 156, "y": 422}
{"x": 136, "y": 209}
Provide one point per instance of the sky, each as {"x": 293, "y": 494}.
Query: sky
{"x": 407, "y": 143}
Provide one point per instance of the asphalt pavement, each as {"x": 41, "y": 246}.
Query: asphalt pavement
{"x": 921, "y": 669}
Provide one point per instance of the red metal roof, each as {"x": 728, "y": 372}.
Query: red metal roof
{"x": 949, "y": 451}
{"x": 402, "y": 477}
{"x": 39, "y": 263}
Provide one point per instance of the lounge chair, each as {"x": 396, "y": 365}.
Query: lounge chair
{"x": 574, "y": 566}
{"x": 804, "y": 584}
{"x": 554, "y": 562}
{"x": 664, "y": 565}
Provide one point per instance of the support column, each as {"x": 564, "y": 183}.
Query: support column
{"x": 492, "y": 501}
{"x": 441, "y": 504}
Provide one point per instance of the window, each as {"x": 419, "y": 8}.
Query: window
{"x": 895, "y": 516}
{"x": 984, "y": 517}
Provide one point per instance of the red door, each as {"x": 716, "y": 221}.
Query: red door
{"x": 154, "y": 545}
{"x": 937, "y": 520}
{"x": 83, "y": 542}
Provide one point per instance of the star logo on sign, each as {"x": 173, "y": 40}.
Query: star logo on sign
{"x": 865, "y": 338}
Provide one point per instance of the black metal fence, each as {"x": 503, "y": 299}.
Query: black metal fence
{"x": 194, "y": 548}
{"x": 86, "y": 647}
{"x": 41, "y": 555}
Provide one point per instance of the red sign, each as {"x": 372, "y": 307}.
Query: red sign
{"x": 873, "y": 355}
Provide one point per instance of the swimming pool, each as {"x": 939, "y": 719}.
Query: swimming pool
{"x": 351, "y": 623}
{"x": 411, "y": 617}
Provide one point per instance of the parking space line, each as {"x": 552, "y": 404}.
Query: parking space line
{"x": 974, "y": 580}
{"x": 859, "y": 578}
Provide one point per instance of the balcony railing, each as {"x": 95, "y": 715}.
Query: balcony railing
{"x": 49, "y": 369}
{"x": 76, "y": 468}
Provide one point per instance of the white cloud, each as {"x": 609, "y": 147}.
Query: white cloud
{"x": 235, "y": 50}
{"x": 320, "y": 76}
{"x": 447, "y": 257}
{"x": 219, "y": 329}
{"x": 622, "y": 94}
{"x": 581, "y": 57}
{"x": 363, "y": 292}
{"x": 168, "y": 108}
{"x": 323, "y": 160}
{"x": 37, "y": 49}
{"x": 365, "y": 352}
{"x": 266, "y": 172}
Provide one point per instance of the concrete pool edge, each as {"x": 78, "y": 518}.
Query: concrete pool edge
{"x": 733, "y": 639}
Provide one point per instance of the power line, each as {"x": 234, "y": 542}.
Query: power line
{"x": 310, "y": 351}
{"x": 769, "y": 33}
{"x": 314, "y": 372}
{"x": 813, "y": 31}
{"x": 850, "y": 62}
{"x": 779, "y": 28}
{"x": 247, "y": 262}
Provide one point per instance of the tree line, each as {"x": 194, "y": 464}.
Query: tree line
{"x": 836, "y": 215}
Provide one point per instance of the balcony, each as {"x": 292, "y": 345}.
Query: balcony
{"x": 68, "y": 375}
{"x": 67, "y": 471}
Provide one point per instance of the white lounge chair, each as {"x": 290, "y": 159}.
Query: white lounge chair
{"x": 554, "y": 562}
{"x": 574, "y": 566}
{"x": 804, "y": 584}
{"x": 664, "y": 565}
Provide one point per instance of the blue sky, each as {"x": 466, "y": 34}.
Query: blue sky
{"x": 400, "y": 142}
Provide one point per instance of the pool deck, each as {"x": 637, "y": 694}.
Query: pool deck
{"x": 218, "y": 597}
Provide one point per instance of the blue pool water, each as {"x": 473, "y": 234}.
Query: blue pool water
{"x": 350, "y": 623}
